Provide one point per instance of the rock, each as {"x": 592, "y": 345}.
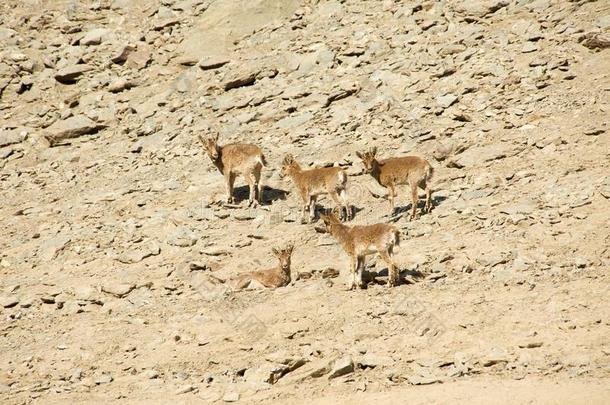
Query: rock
{"x": 94, "y": 37}
{"x": 122, "y": 54}
{"x": 595, "y": 40}
{"x": 294, "y": 121}
{"x": 139, "y": 59}
{"x": 72, "y": 127}
{"x": 212, "y": 62}
{"x": 342, "y": 366}
{"x": 150, "y": 374}
{"x": 119, "y": 85}
{"x": 185, "y": 389}
{"x": 165, "y": 22}
{"x": 103, "y": 378}
{"x": 529, "y": 47}
{"x": 477, "y": 155}
{"x": 71, "y": 74}
{"x": 424, "y": 380}
{"x": 186, "y": 60}
{"x": 239, "y": 79}
{"x": 495, "y": 356}
{"x": 8, "y": 301}
{"x": 12, "y": 136}
{"x": 139, "y": 253}
{"x": 52, "y": 247}
{"x": 314, "y": 369}
{"x": 340, "y": 92}
{"x": 373, "y": 360}
{"x": 604, "y": 188}
{"x": 182, "y": 236}
{"x": 479, "y": 8}
{"x": 447, "y": 100}
{"x": 268, "y": 373}
{"x": 530, "y": 344}
{"x": 118, "y": 289}
{"x": 231, "y": 397}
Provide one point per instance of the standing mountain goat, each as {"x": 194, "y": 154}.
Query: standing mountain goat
{"x": 362, "y": 240}
{"x": 411, "y": 170}
{"x": 237, "y": 158}
{"x": 314, "y": 182}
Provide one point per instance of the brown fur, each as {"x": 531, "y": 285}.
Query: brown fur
{"x": 237, "y": 158}
{"x": 271, "y": 278}
{"x": 314, "y": 182}
{"x": 362, "y": 240}
{"x": 411, "y": 170}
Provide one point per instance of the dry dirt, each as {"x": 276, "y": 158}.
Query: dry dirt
{"x": 112, "y": 216}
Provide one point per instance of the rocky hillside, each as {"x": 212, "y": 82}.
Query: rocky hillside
{"x": 113, "y": 218}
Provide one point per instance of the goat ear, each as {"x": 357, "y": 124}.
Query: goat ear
{"x": 201, "y": 139}
{"x": 215, "y": 137}
{"x": 359, "y": 155}
{"x": 374, "y": 150}
{"x": 289, "y": 249}
{"x": 275, "y": 251}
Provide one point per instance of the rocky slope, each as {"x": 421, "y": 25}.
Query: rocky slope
{"x": 112, "y": 216}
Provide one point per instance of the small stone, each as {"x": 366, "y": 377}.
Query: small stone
{"x": 122, "y": 54}
{"x": 150, "y": 374}
{"x": 529, "y": 47}
{"x": 530, "y": 345}
{"x": 72, "y": 127}
{"x": 212, "y": 62}
{"x": 119, "y": 290}
{"x": 9, "y": 302}
{"x": 71, "y": 74}
{"x": 182, "y": 236}
{"x": 12, "y": 136}
{"x": 94, "y": 37}
{"x": 373, "y": 360}
{"x": 344, "y": 365}
{"x": 231, "y": 397}
{"x": 185, "y": 389}
{"x": 447, "y": 100}
{"x": 103, "y": 378}
{"x": 119, "y": 85}
{"x": 495, "y": 356}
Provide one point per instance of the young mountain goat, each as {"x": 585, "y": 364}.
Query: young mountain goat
{"x": 362, "y": 240}
{"x": 237, "y": 158}
{"x": 314, "y": 182}
{"x": 411, "y": 170}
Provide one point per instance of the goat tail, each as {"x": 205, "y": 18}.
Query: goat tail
{"x": 261, "y": 158}
{"x": 342, "y": 177}
{"x": 396, "y": 237}
{"x": 429, "y": 173}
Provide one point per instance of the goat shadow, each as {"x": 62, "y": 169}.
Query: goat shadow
{"x": 404, "y": 276}
{"x": 421, "y": 203}
{"x": 270, "y": 194}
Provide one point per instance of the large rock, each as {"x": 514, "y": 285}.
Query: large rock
{"x": 95, "y": 36}
{"x": 342, "y": 366}
{"x": 447, "y": 100}
{"x": 119, "y": 290}
{"x": 12, "y": 136}
{"x": 72, "y": 127}
{"x": 71, "y": 74}
{"x": 182, "y": 236}
{"x": 479, "y": 8}
{"x": 479, "y": 155}
{"x": 239, "y": 79}
{"x": 212, "y": 62}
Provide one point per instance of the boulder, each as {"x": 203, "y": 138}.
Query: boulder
{"x": 72, "y": 127}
